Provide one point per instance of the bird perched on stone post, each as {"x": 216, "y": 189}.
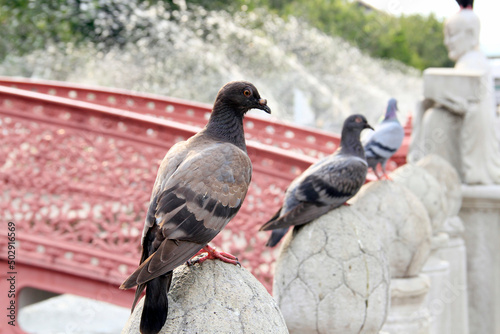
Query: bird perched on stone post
{"x": 385, "y": 140}
{"x": 200, "y": 186}
{"x": 325, "y": 185}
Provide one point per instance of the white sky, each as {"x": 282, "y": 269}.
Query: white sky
{"x": 487, "y": 10}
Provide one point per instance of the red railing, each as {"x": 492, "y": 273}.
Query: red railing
{"x": 76, "y": 169}
{"x": 312, "y": 142}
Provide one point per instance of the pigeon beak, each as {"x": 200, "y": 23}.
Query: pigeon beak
{"x": 263, "y": 106}
{"x": 367, "y": 126}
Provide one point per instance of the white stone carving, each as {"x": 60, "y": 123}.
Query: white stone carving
{"x": 402, "y": 222}
{"x": 480, "y": 213}
{"x": 216, "y": 297}
{"x": 332, "y": 276}
{"x": 427, "y": 189}
{"x": 456, "y": 119}
{"x": 408, "y": 313}
{"x": 449, "y": 299}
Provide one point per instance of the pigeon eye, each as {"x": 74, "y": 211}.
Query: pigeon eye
{"x": 247, "y": 93}
{"x": 357, "y": 120}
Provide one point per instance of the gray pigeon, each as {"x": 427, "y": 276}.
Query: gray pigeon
{"x": 325, "y": 185}
{"x": 200, "y": 186}
{"x": 385, "y": 141}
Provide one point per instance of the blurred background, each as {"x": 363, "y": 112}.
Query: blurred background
{"x": 336, "y": 57}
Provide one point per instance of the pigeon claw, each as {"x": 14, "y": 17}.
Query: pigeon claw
{"x": 212, "y": 254}
{"x": 387, "y": 177}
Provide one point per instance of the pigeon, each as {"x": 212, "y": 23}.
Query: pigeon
{"x": 385, "y": 141}
{"x": 200, "y": 186}
{"x": 325, "y": 185}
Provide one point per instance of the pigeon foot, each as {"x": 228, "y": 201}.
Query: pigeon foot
{"x": 212, "y": 254}
{"x": 387, "y": 177}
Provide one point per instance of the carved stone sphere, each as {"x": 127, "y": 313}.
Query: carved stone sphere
{"x": 402, "y": 222}
{"x": 332, "y": 276}
{"x": 428, "y": 190}
{"x": 216, "y": 297}
{"x": 449, "y": 179}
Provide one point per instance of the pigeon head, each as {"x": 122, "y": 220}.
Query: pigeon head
{"x": 355, "y": 124}
{"x": 392, "y": 107}
{"x": 232, "y": 102}
{"x": 240, "y": 96}
{"x": 349, "y": 140}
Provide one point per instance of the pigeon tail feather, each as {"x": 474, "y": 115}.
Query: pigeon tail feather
{"x": 276, "y": 216}
{"x": 132, "y": 280}
{"x": 138, "y": 292}
{"x": 276, "y": 236}
{"x": 154, "y": 313}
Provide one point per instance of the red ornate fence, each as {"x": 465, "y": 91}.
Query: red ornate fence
{"x": 76, "y": 169}
{"x": 315, "y": 143}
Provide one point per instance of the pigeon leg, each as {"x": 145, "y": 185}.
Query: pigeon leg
{"x": 212, "y": 255}
{"x": 387, "y": 177}
{"x": 375, "y": 172}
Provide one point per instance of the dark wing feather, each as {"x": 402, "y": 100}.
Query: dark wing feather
{"x": 323, "y": 187}
{"x": 299, "y": 215}
{"x": 191, "y": 206}
{"x": 333, "y": 182}
{"x": 385, "y": 141}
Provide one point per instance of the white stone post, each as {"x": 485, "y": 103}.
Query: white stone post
{"x": 438, "y": 271}
{"x": 215, "y": 297}
{"x": 432, "y": 193}
{"x": 456, "y": 120}
{"x": 403, "y": 223}
{"x": 332, "y": 276}
{"x": 408, "y": 313}
{"x": 452, "y": 250}
{"x": 455, "y": 289}
{"x": 480, "y": 213}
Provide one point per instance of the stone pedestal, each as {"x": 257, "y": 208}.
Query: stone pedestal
{"x": 438, "y": 303}
{"x": 332, "y": 276}
{"x": 455, "y": 289}
{"x": 480, "y": 214}
{"x": 438, "y": 272}
{"x": 427, "y": 189}
{"x": 408, "y": 312}
{"x": 215, "y": 297}
{"x": 405, "y": 228}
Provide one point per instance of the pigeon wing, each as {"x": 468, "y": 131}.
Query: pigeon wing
{"x": 386, "y": 140}
{"x": 328, "y": 186}
{"x": 192, "y": 206}
{"x": 334, "y": 182}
